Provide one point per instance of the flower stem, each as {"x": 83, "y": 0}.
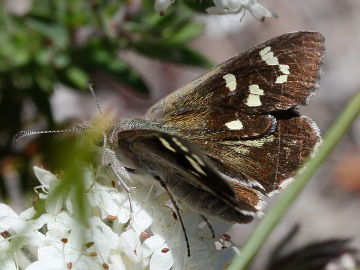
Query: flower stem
{"x": 263, "y": 230}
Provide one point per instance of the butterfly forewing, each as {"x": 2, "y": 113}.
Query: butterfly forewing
{"x": 190, "y": 175}
{"x": 276, "y": 75}
{"x": 240, "y": 113}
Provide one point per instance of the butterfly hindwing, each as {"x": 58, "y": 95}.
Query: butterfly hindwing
{"x": 269, "y": 161}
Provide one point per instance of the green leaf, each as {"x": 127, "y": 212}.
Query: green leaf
{"x": 179, "y": 54}
{"x": 45, "y": 78}
{"x": 186, "y": 33}
{"x": 52, "y": 30}
{"x": 78, "y": 77}
{"x": 123, "y": 73}
{"x": 199, "y": 5}
{"x": 105, "y": 60}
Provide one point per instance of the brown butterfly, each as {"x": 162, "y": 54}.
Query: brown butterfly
{"x": 232, "y": 135}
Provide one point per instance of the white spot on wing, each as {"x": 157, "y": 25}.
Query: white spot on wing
{"x": 253, "y": 99}
{"x": 195, "y": 165}
{"x": 230, "y": 80}
{"x": 268, "y": 56}
{"x": 284, "y": 69}
{"x": 166, "y": 144}
{"x": 235, "y": 125}
{"x": 198, "y": 159}
{"x": 265, "y": 51}
{"x": 272, "y": 61}
{"x": 255, "y": 89}
{"x": 281, "y": 79}
{"x": 181, "y": 146}
{"x": 194, "y": 173}
{"x": 247, "y": 213}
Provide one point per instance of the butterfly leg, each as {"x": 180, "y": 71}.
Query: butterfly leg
{"x": 121, "y": 174}
{"x": 178, "y": 213}
{"x": 209, "y": 225}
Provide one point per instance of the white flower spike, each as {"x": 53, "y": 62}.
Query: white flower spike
{"x": 149, "y": 239}
{"x": 226, "y": 7}
{"x": 237, "y": 6}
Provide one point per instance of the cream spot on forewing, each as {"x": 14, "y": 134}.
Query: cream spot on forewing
{"x": 235, "y": 125}
{"x": 268, "y": 56}
{"x": 230, "y": 80}
{"x": 198, "y": 159}
{"x": 194, "y": 173}
{"x": 284, "y": 69}
{"x": 181, "y": 146}
{"x": 166, "y": 144}
{"x": 253, "y": 99}
{"x": 195, "y": 165}
{"x": 265, "y": 51}
{"x": 281, "y": 79}
{"x": 255, "y": 89}
{"x": 272, "y": 61}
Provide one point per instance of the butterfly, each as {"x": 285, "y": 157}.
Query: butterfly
{"x": 222, "y": 142}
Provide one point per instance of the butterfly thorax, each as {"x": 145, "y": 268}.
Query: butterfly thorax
{"x": 124, "y": 127}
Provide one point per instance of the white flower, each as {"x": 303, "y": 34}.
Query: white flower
{"x": 226, "y": 7}
{"x": 237, "y": 6}
{"x": 162, "y": 5}
{"x": 149, "y": 238}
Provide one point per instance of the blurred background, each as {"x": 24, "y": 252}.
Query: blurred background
{"x": 50, "y": 50}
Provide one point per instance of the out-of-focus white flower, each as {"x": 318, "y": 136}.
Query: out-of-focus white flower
{"x": 237, "y": 6}
{"x": 161, "y": 5}
{"x": 226, "y": 7}
{"x": 149, "y": 238}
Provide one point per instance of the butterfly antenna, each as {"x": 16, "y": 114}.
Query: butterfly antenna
{"x": 95, "y": 98}
{"x": 91, "y": 89}
{"x": 25, "y": 133}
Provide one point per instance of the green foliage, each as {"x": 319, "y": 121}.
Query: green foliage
{"x": 67, "y": 42}
{"x": 199, "y": 6}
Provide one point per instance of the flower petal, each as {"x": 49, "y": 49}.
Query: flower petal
{"x": 151, "y": 244}
{"x": 46, "y": 178}
{"x": 161, "y": 259}
{"x": 130, "y": 243}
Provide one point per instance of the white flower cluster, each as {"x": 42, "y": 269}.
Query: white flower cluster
{"x": 226, "y": 7}
{"x": 149, "y": 238}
